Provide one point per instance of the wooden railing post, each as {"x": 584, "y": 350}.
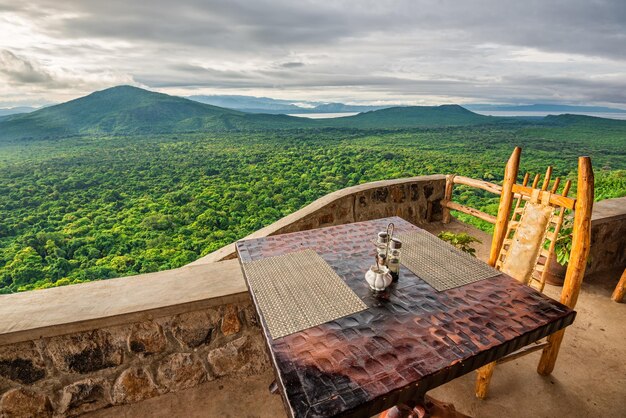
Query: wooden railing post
{"x": 581, "y": 239}
{"x": 447, "y": 197}
{"x": 506, "y": 201}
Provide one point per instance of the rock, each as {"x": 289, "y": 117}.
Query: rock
{"x": 22, "y": 363}
{"x": 245, "y": 355}
{"x": 181, "y": 371}
{"x": 146, "y": 338}
{"x": 84, "y": 396}
{"x": 250, "y": 316}
{"x": 194, "y": 329}
{"x": 134, "y": 385}
{"x": 230, "y": 321}
{"x": 25, "y": 403}
{"x": 227, "y": 359}
{"x": 85, "y": 352}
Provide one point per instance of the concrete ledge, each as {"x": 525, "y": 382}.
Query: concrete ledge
{"x": 608, "y": 236}
{"x": 608, "y": 210}
{"x": 70, "y": 309}
{"x": 406, "y": 197}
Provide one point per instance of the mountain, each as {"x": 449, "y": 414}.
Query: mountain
{"x": 556, "y": 108}
{"x": 131, "y": 110}
{"x": 413, "y": 117}
{"x": 119, "y": 109}
{"x": 126, "y": 110}
{"x": 251, "y": 104}
{"x": 340, "y": 107}
{"x": 582, "y": 121}
{"x": 15, "y": 110}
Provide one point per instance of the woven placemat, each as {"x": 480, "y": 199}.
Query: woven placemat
{"x": 299, "y": 290}
{"x": 440, "y": 264}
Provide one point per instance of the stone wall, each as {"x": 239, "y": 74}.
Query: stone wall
{"x": 68, "y": 375}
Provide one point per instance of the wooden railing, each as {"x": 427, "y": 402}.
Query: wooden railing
{"x": 519, "y": 190}
{"x": 449, "y": 205}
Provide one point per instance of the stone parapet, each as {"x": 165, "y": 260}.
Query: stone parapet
{"x": 67, "y": 375}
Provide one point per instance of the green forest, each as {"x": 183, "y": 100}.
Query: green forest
{"x": 95, "y": 207}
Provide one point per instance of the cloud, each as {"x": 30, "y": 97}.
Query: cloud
{"x": 20, "y": 70}
{"x": 292, "y": 64}
{"x": 411, "y": 50}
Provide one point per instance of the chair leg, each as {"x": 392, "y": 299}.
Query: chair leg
{"x": 426, "y": 408}
{"x": 483, "y": 378}
{"x": 620, "y": 289}
{"x": 550, "y": 353}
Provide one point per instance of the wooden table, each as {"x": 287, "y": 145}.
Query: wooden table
{"x": 403, "y": 345}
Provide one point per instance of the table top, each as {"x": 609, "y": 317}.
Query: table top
{"x": 404, "y": 344}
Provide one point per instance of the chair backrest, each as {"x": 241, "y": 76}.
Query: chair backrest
{"x": 529, "y": 220}
{"x": 532, "y": 232}
{"x": 519, "y": 241}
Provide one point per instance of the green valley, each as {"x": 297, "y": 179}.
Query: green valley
{"x": 91, "y": 203}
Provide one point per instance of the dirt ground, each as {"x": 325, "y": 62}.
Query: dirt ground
{"x": 589, "y": 379}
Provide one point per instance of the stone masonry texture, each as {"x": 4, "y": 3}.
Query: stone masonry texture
{"x": 70, "y": 375}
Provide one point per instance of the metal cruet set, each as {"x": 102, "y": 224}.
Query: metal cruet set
{"x": 387, "y": 267}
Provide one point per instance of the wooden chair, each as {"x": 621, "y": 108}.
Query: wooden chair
{"x": 518, "y": 242}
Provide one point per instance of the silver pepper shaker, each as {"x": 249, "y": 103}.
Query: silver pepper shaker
{"x": 382, "y": 243}
{"x": 393, "y": 258}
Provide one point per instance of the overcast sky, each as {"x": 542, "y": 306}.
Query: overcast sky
{"x": 408, "y": 52}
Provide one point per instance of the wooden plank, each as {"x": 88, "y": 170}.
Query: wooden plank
{"x": 447, "y": 197}
{"x": 499, "y": 233}
{"x": 581, "y": 234}
{"x": 470, "y": 211}
{"x": 479, "y": 184}
{"x": 535, "y": 181}
{"x": 581, "y": 237}
{"x": 555, "y": 199}
{"x": 546, "y": 180}
{"x": 504, "y": 208}
{"x": 518, "y": 209}
{"x": 523, "y": 351}
{"x": 620, "y": 289}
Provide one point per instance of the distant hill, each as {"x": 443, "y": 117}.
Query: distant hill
{"x": 131, "y": 110}
{"x": 340, "y": 107}
{"x": 126, "y": 110}
{"x": 122, "y": 109}
{"x": 16, "y": 110}
{"x": 253, "y": 104}
{"x": 556, "y": 108}
{"x": 413, "y": 117}
{"x": 581, "y": 120}
{"x": 249, "y": 103}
